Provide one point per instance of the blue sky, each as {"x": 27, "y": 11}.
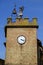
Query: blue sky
{"x": 32, "y": 8}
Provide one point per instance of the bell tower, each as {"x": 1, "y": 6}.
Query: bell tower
{"x": 21, "y": 41}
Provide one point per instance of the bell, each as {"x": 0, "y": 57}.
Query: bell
{"x": 21, "y": 8}
{"x": 14, "y": 11}
{"x": 21, "y": 11}
{"x": 20, "y": 14}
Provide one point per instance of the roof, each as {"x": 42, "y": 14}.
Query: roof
{"x": 39, "y": 42}
{"x": 2, "y": 59}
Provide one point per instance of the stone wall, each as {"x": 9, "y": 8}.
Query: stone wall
{"x": 17, "y": 54}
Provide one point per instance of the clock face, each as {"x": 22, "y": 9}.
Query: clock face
{"x": 21, "y": 39}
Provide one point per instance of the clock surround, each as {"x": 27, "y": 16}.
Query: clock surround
{"x": 21, "y": 39}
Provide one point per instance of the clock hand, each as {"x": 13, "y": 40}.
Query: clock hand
{"x": 22, "y": 39}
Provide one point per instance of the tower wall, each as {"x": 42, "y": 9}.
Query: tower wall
{"x": 17, "y": 54}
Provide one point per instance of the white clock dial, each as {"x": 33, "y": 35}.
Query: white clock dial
{"x": 21, "y": 39}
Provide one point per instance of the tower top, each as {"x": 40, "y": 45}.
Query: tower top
{"x": 22, "y": 22}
